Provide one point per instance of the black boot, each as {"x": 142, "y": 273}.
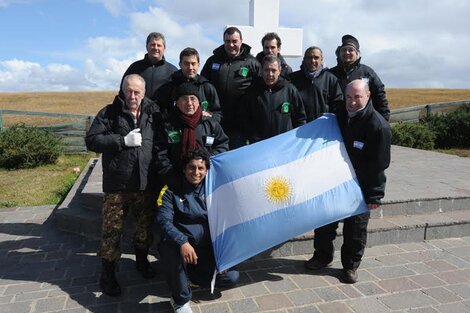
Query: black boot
{"x": 142, "y": 264}
{"x": 108, "y": 282}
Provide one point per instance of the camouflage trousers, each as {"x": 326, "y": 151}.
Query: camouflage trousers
{"x": 116, "y": 207}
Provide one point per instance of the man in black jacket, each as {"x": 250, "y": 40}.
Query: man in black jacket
{"x": 350, "y": 68}
{"x": 231, "y": 70}
{"x": 123, "y": 132}
{"x": 367, "y": 137}
{"x": 319, "y": 88}
{"x": 271, "y": 43}
{"x": 155, "y": 70}
{"x": 272, "y": 105}
{"x": 189, "y": 64}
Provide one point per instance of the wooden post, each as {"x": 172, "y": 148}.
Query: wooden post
{"x": 428, "y": 110}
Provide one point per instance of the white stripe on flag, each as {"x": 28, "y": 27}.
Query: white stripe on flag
{"x": 246, "y": 198}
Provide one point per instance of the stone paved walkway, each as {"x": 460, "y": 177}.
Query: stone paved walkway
{"x": 43, "y": 269}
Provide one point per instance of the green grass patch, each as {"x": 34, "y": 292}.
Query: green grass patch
{"x": 459, "y": 152}
{"x": 47, "y": 184}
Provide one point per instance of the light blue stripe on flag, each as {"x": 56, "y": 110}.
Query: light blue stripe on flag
{"x": 264, "y": 194}
{"x": 275, "y": 151}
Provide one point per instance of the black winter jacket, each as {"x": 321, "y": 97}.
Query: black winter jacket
{"x": 155, "y": 75}
{"x": 271, "y": 111}
{"x": 125, "y": 168}
{"x": 208, "y": 97}
{"x": 231, "y": 77}
{"x": 209, "y": 136}
{"x": 367, "y": 137}
{"x": 377, "y": 88}
{"x": 182, "y": 216}
{"x": 321, "y": 94}
{"x": 285, "y": 68}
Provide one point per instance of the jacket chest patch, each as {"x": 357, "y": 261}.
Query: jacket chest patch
{"x": 174, "y": 136}
{"x": 285, "y": 107}
{"x": 244, "y": 71}
{"x": 215, "y": 66}
{"x": 209, "y": 140}
{"x": 358, "y": 144}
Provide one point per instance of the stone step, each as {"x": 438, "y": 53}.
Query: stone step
{"x": 389, "y": 230}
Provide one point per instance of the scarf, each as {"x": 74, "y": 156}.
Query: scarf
{"x": 313, "y": 74}
{"x": 189, "y": 127}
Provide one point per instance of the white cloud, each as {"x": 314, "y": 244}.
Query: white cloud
{"x": 5, "y": 3}
{"x": 20, "y": 75}
{"x": 114, "y": 7}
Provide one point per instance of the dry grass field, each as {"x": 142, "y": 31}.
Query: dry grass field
{"x": 90, "y": 102}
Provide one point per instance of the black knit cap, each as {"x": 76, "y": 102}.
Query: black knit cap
{"x": 349, "y": 40}
{"x": 186, "y": 89}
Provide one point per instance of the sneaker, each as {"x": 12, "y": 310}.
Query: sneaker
{"x": 315, "y": 264}
{"x": 350, "y": 276}
{"x": 227, "y": 279}
{"x": 185, "y": 308}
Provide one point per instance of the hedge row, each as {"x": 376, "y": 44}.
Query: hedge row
{"x": 27, "y": 147}
{"x": 440, "y": 131}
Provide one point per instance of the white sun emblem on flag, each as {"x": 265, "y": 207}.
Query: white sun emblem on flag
{"x": 278, "y": 189}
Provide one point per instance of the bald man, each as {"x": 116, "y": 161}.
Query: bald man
{"x": 367, "y": 137}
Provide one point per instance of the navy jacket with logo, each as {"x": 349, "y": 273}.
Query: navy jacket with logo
{"x": 367, "y": 137}
{"x": 271, "y": 111}
{"x": 182, "y": 216}
{"x": 231, "y": 77}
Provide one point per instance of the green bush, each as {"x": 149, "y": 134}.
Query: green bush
{"x": 452, "y": 129}
{"x": 26, "y": 147}
{"x": 413, "y": 135}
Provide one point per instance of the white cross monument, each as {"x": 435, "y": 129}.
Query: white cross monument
{"x": 264, "y": 18}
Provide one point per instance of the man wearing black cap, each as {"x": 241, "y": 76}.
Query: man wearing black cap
{"x": 186, "y": 129}
{"x": 350, "y": 68}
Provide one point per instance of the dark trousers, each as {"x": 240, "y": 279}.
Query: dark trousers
{"x": 177, "y": 272}
{"x": 354, "y": 241}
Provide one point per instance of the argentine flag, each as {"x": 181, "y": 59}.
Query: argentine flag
{"x": 261, "y": 195}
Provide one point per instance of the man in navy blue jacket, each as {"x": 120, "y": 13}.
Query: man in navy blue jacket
{"x": 185, "y": 248}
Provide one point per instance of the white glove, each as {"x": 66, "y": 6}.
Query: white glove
{"x": 133, "y": 139}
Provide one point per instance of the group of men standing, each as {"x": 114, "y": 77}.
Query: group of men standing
{"x": 162, "y": 114}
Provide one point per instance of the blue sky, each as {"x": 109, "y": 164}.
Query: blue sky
{"x": 60, "y": 45}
